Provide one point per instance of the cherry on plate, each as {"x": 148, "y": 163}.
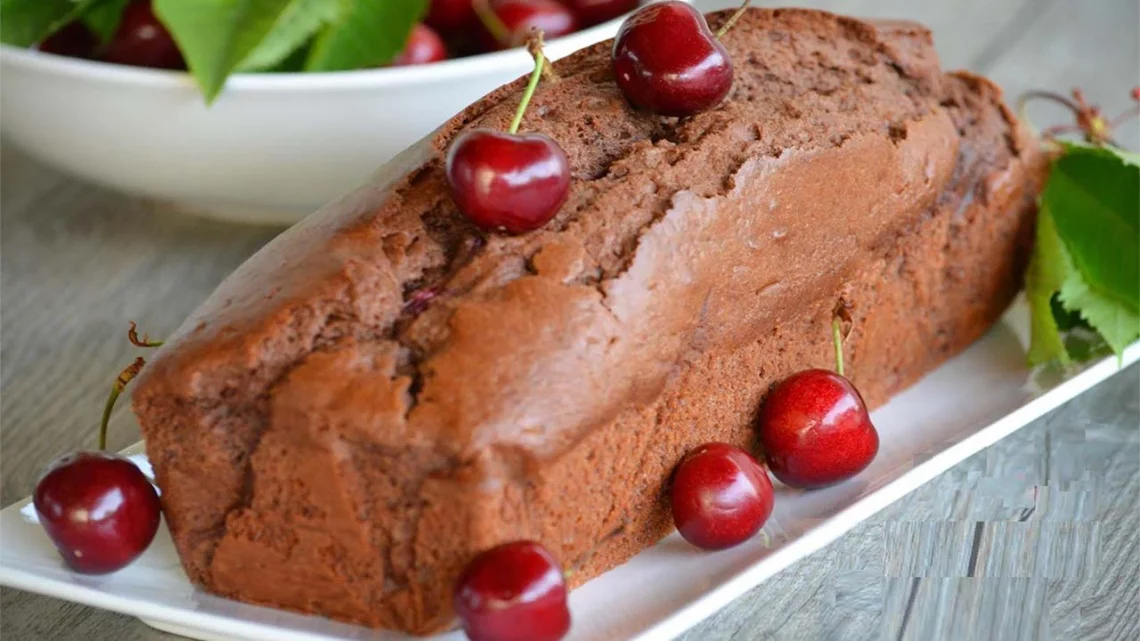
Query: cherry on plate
{"x": 513, "y": 592}
{"x": 521, "y": 17}
{"x": 143, "y": 41}
{"x": 74, "y": 40}
{"x": 99, "y": 510}
{"x": 424, "y": 46}
{"x": 720, "y": 496}
{"x": 592, "y": 12}
{"x": 815, "y": 431}
{"x": 668, "y": 61}
{"x": 509, "y": 182}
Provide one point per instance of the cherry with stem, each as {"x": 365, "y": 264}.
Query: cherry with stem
{"x": 99, "y": 509}
{"x": 508, "y": 181}
{"x": 814, "y": 426}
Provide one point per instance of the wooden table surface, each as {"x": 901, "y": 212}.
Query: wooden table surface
{"x": 972, "y": 555}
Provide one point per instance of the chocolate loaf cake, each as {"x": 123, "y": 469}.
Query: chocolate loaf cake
{"x": 384, "y": 390}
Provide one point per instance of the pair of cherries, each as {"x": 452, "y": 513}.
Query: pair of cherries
{"x": 814, "y": 430}
{"x": 665, "y": 60}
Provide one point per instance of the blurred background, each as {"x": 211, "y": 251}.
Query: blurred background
{"x": 79, "y": 259}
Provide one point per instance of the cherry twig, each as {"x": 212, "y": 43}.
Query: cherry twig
{"x": 133, "y": 337}
{"x": 1090, "y": 122}
{"x": 126, "y": 376}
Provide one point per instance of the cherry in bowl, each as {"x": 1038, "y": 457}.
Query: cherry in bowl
{"x": 451, "y": 16}
{"x": 424, "y": 46}
{"x": 143, "y": 41}
{"x": 509, "y": 23}
{"x": 74, "y": 40}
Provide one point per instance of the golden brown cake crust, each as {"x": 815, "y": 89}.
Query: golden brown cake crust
{"x": 384, "y": 390}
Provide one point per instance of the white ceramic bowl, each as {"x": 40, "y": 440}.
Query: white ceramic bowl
{"x": 272, "y": 148}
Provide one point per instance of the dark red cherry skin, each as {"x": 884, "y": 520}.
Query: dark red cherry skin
{"x": 815, "y": 430}
{"x": 424, "y": 46}
{"x": 720, "y": 496}
{"x": 666, "y": 60}
{"x": 99, "y": 510}
{"x": 507, "y": 182}
{"x": 74, "y": 40}
{"x": 592, "y": 12}
{"x": 451, "y": 16}
{"x": 523, "y": 16}
{"x": 513, "y": 592}
{"x": 143, "y": 41}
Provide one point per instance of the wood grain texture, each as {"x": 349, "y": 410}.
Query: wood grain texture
{"x": 1036, "y": 538}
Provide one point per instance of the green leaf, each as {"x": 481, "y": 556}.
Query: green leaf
{"x": 1087, "y": 255}
{"x": 1085, "y": 344}
{"x": 1094, "y": 197}
{"x": 103, "y": 18}
{"x": 1117, "y": 324}
{"x": 368, "y": 34}
{"x": 300, "y": 20}
{"x": 293, "y": 63}
{"x": 216, "y": 35}
{"x": 1066, "y": 320}
{"x": 1129, "y": 157}
{"x": 1048, "y": 269}
{"x": 28, "y": 22}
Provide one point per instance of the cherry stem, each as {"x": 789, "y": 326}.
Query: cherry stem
{"x": 1097, "y": 130}
{"x": 732, "y": 19}
{"x": 492, "y": 22}
{"x": 1125, "y": 117}
{"x": 117, "y": 388}
{"x": 133, "y": 337}
{"x": 539, "y": 61}
{"x": 837, "y": 338}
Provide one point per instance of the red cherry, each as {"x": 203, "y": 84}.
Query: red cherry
{"x": 592, "y": 12}
{"x": 510, "y": 182}
{"x": 720, "y": 496}
{"x": 815, "y": 430}
{"x": 99, "y": 510}
{"x": 450, "y": 16}
{"x": 520, "y": 17}
{"x": 143, "y": 41}
{"x": 74, "y": 40}
{"x": 513, "y": 592}
{"x": 424, "y": 46}
{"x": 667, "y": 60}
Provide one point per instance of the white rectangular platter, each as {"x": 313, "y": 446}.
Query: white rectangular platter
{"x": 976, "y": 399}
